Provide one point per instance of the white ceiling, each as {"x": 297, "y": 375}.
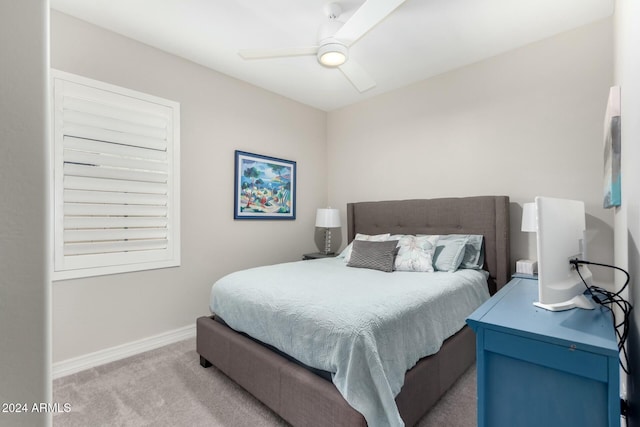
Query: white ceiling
{"x": 420, "y": 39}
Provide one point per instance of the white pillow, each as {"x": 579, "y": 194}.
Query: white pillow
{"x": 416, "y": 253}
{"x": 346, "y": 253}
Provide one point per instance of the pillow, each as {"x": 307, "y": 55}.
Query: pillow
{"x": 449, "y": 253}
{"x": 346, "y": 253}
{"x": 415, "y": 253}
{"x": 374, "y": 255}
{"x": 474, "y": 253}
{"x": 474, "y": 250}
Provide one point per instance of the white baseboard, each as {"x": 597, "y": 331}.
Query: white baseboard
{"x": 87, "y": 361}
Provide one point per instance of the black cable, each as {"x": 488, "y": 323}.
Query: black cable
{"x": 607, "y": 299}
{"x": 579, "y": 261}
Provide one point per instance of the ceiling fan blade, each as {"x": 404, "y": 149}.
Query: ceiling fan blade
{"x": 277, "y": 52}
{"x": 357, "y": 75}
{"x": 368, "y": 16}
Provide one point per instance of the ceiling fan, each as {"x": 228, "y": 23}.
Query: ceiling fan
{"x": 335, "y": 38}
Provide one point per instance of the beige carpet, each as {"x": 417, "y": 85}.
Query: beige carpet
{"x": 168, "y": 387}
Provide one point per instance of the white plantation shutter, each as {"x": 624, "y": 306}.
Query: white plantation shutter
{"x": 116, "y": 179}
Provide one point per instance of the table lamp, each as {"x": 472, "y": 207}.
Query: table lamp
{"x": 327, "y": 218}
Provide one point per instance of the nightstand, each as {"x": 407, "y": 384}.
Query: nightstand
{"x": 317, "y": 255}
{"x": 543, "y": 368}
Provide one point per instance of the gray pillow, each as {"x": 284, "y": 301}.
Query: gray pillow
{"x": 450, "y": 253}
{"x": 374, "y": 255}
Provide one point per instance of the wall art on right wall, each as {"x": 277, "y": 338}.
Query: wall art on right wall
{"x": 612, "y": 184}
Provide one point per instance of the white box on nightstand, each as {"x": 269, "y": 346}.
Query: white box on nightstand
{"x": 527, "y": 266}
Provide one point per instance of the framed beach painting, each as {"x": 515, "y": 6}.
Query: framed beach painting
{"x": 265, "y": 187}
{"x": 612, "y": 143}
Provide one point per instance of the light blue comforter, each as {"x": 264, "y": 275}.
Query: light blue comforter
{"x": 364, "y": 326}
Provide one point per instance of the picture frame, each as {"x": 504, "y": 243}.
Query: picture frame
{"x": 264, "y": 187}
{"x": 612, "y": 151}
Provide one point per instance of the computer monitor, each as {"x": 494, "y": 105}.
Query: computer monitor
{"x": 560, "y": 237}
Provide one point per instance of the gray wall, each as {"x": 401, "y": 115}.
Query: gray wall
{"x": 525, "y": 123}
{"x": 25, "y": 349}
{"x": 218, "y": 115}
{"x": 627, "y": 217}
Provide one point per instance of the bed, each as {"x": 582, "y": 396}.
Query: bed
{"x": 304, "y": 398}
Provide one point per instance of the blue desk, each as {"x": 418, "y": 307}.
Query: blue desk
{"x": 541, "y": 368}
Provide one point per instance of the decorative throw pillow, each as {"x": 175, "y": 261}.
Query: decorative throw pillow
{"x": 373, "y": 255}
{"x": 449, "y": 253}
{"x": 474, "y": 250}
{"x": 346, "y": 253}
{"x": 416, "y": 253}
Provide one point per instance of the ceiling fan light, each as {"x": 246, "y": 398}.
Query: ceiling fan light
{"x": 332, "y": 59}
{"x": 332, "y": 54}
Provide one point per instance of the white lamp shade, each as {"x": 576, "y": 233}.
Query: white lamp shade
{"x": 529, "y": 223}
{"x": 328, "y": 218}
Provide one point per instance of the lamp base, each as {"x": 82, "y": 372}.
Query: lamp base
{"x": 327, "y": 242}
{"x": 327, "y": 245}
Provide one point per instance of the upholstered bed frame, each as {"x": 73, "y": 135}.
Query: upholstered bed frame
{"x": 305, "y": 399}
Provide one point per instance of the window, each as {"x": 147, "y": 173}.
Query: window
{"x": 116, "y": 195}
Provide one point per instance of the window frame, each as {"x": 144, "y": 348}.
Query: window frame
{"x": 67, "y": 266}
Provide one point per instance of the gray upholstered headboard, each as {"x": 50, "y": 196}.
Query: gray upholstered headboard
{"x": 486, "y": 215}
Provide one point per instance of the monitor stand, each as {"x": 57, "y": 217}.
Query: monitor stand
{"x": 579, "y": 301}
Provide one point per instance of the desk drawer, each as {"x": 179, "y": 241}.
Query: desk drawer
{"x": 563, "y": 358}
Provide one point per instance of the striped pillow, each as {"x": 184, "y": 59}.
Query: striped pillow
{"x": 346, "y": 253}
{"x": 374, "y": 255}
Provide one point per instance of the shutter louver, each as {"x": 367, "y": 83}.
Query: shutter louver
{"x": 115, "y": 179}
